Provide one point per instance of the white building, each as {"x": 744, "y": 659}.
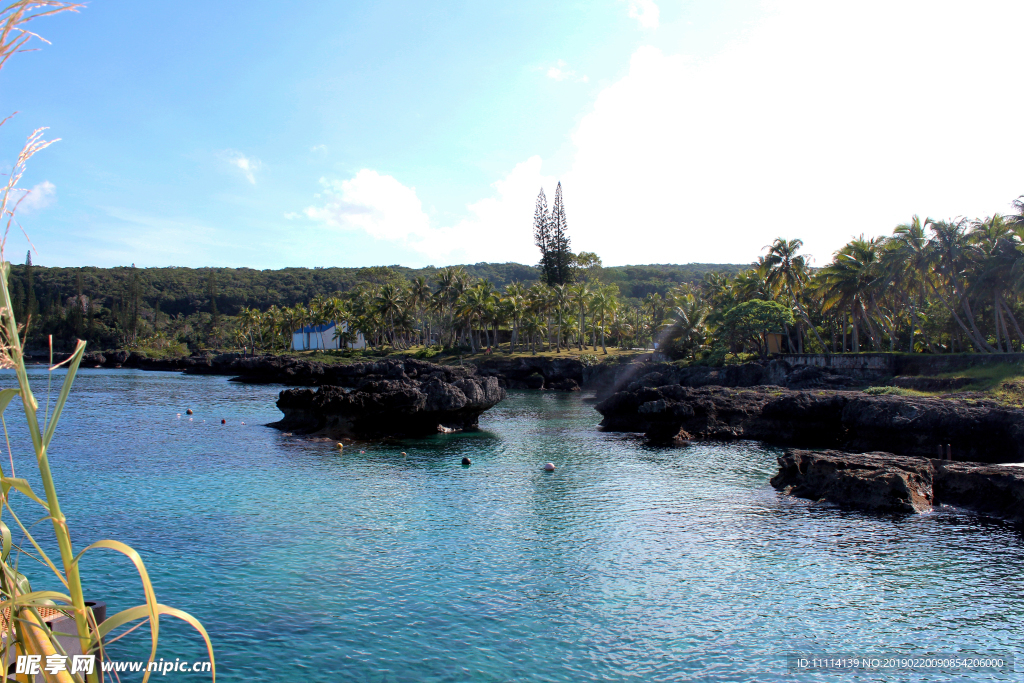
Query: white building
{"x": 324, "y": 337}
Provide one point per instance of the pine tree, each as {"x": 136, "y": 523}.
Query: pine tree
{"x": 542, "y": 237}
{"x": 31, "y": 305}
{"x": 559, "y": 245}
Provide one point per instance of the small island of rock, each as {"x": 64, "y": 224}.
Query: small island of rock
{"x": 392, "y": 398}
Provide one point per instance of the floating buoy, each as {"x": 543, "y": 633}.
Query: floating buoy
{"x": 243, "y": 423}
{"x": 404, "y": 455}
{"x": 362, "y": 452}
{"x": 549, "y": 467}
{"x": 188, "y": 412}
{"x": 223, "y": 422}
{"x": 179, "y": 415}
{"x": 341, "y": 445}
{"x": 467, "y": 461}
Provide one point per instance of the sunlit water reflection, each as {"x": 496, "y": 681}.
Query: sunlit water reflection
{"x": 627, "y": 563}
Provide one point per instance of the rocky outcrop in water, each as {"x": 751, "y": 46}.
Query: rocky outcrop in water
{"x": 890, "y": 483}
{"x": 392, "y": 398}
{"x": 981, "y": 431}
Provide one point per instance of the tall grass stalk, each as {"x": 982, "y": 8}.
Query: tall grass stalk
{"x": 26, "y": 631}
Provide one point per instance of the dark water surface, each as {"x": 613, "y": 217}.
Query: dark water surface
{"x": 627, "y": 563}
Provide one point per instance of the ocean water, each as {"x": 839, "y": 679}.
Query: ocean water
{"x": 628, "y": 563}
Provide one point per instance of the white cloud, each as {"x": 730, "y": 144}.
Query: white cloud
{"x": 318, "y": 149}
{"x": 40, "y": 196}
{"x": 644, "y": 11}
{"x": 820, "y": 123}
{"x": 377, "y": 204}
{"x": 559, "y": 72}
{"x": 383, "y": 207}
{"x": 247, "y": 165}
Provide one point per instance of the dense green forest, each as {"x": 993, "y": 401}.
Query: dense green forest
{"x": 931, "y": 286}
{"x": 183, "y": 308}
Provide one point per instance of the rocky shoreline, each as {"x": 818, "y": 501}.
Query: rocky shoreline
{"x": 566, "y": 373}
{"x": 884, "y": 482}
{"x": 392, "y": 399}
{"x": 980, "y": 431}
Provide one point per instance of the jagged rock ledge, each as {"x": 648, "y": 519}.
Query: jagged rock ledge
{"x": 565, "y": 373}
{"x": 392, "y": 399}
{"x": 885, "y": 482}
{"x": 981, "y": 431}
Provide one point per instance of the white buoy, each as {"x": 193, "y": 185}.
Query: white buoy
{"x": 549, "y": 467}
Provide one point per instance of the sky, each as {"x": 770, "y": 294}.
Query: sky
{"x": 267, "y": 135}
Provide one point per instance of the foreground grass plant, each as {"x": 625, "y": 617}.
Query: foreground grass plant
{"x": 25, "y": 631}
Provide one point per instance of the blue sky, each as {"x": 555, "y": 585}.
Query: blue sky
{"x": 346, "y": 134}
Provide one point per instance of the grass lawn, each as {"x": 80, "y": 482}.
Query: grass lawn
{"x": 1002, "y": 381}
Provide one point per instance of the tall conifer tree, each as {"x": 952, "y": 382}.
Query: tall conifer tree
{"x": 31, "y": 305}
{"x": 559, "y": 244}
{"x": 542, "y": 237}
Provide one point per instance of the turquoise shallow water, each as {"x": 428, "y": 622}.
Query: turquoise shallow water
{"x": 627, "y": 563}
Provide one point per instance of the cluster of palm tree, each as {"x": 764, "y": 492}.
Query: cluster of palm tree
{"x": 455, "y": 310}
{"x": 931, "y": 286}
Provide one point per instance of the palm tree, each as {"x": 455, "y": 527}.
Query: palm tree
{"x": 540, "y": 302}
{"x": 953, "y": 253}
{"x": 999, "y": 255}
{"x": 603, "y": 305}
{"x": 847, "y": 282}
{"x": 533, "y": 325}
{"x": 787, "y": 272}
{"x": 419, "y": 297}
{"x": 685, "y": 324}
{"x": 580, "y": 293}
{"x": 514, "y": 304}
{"x": 905, "y": 261}
{"x": 560, "y": 297}
{"x": 622, "y": 331}
{"x": 389, "y": 303}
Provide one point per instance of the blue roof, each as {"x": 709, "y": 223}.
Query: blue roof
{"x": 317, "y": 328}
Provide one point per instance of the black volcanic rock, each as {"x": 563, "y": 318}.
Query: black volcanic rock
{"x": 847, "y": 420}
{"x": 892, "y": 483}
{"x": 390, "y": 402}
{"x": 871, "y": 481}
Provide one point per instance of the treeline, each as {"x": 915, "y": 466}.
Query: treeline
{"x": 184, "y": 309}
{"x": 932, "y": 286}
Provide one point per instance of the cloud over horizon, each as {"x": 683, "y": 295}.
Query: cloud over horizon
{"x": 384, "y": 208}
{"x": 819, "y": 123}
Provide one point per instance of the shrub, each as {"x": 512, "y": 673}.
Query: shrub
{"x": 889, "y": 391}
